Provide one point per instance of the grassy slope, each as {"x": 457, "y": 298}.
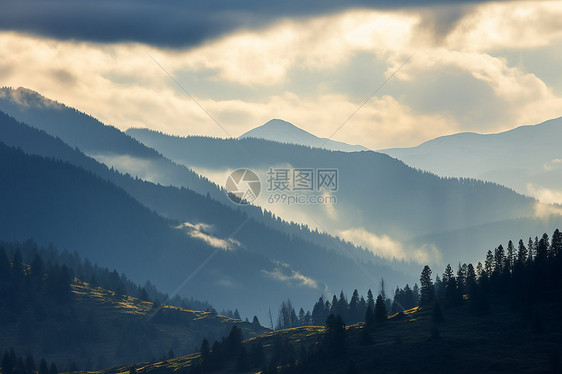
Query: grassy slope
{"x": 500, "y": 341}
{"x": 116, "y": 322}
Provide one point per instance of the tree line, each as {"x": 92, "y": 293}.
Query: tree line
{"x": 99, "y": 276}
{"x": 16, "y": 364}
{"x": 352, "y": 311}
{"x": 521, "y": 275}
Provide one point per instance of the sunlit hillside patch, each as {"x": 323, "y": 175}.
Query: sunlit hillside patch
{"x": 125, "y": 304}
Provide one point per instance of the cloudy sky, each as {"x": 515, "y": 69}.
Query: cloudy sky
{"x": 473, "y": 66}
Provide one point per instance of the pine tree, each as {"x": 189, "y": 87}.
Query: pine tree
{"x": 427, "y": 293}
{"x": 234, "y": 341}
{"x": 521, "y": 253}
{"x": 307, "y": 319}
{"x": 489, "y": 264}
{"x": 556, "y": 244}
{"x": 531, "y": 248}
{"x": 417, "y": 295}
{"x": 499, "y": 260}
{"x": 354, "y": 315}
{"x": 410, "y": 299}
{"x": 479, "y": 270}
{"x": 536, "y": 246}
{"x": 362, "y": 308}
{"x": 542, "y": 249}
{"x": 318, "y": 317}
{"x": 452, "y": 293}
{"x": 439, "y": 287}
{"x": 448, "y": 274}
{"x": 335, "y": 335}
{"x": 471, "y": 283}
{"x": 301, "y": 317}
{"x": 383, "y": 293}
{"x": 510, "y": 260}
{"x": 370, "y": 300}
{"x": 461, "y": 278}
{"x": 342, "y": 307}
{"x": 335, "y": 305}
{"x": 205, "y": 350}
{"x": 380, "y": 309}
{"x": 255, "y": 321}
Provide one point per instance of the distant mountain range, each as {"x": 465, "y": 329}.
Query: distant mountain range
{"x": 381, "y": 203}
{"x": 281, "y": 131}
{"x": 155, "y": 209}
{"x": 56, "y": 194}
{"x": 527, "y": 158}
{"x": 104, "y": 143}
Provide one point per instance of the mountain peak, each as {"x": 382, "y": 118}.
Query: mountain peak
{"x": 278, "y": 123}
{"x": 282, "y": 131}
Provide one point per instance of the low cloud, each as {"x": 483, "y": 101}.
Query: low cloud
{"x": 545, "y": 195}
{"x": 545, "y": 211}
{"x": 200, "y": 231}
{"x": 549, "y": 201}
{"x": 145, "y": 169}
{"x": 384, "y": 246}
{"x": 283, "y": 273}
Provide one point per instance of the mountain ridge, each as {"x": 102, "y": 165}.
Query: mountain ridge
{"x": 285, "y": 132}
{"x": 181, "y": 205}
{"x": 526, "y": 158}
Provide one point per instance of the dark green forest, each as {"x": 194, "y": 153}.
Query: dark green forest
{"x": 525, "y": 279}
{"x": 46, "y": 310}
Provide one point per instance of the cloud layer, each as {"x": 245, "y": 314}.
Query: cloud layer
{"x": 313, "y": 70}
{"x": 169, "y": 23}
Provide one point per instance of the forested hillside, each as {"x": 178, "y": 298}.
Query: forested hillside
{"x": 46, "y": 311}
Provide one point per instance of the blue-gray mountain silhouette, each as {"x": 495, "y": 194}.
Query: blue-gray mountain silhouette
{"x": 377, "y": 193}
{"x": 84, "y": 207}
{"x": 284, "y": 132}
{"x": 514, "y": 158}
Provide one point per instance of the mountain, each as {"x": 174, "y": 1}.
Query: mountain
{"x": 121, "y": 233}
{"x": 381, "y": 202}
{"x": 281, "y": 131}
{"x": 117, "y": 150}
{"x": 527, "y": 158}
{"x": 414, "y": 343}
{"x": 50, "y": 314}
{"x": 103, "y": 142}
{"x": 502, "y": 318}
